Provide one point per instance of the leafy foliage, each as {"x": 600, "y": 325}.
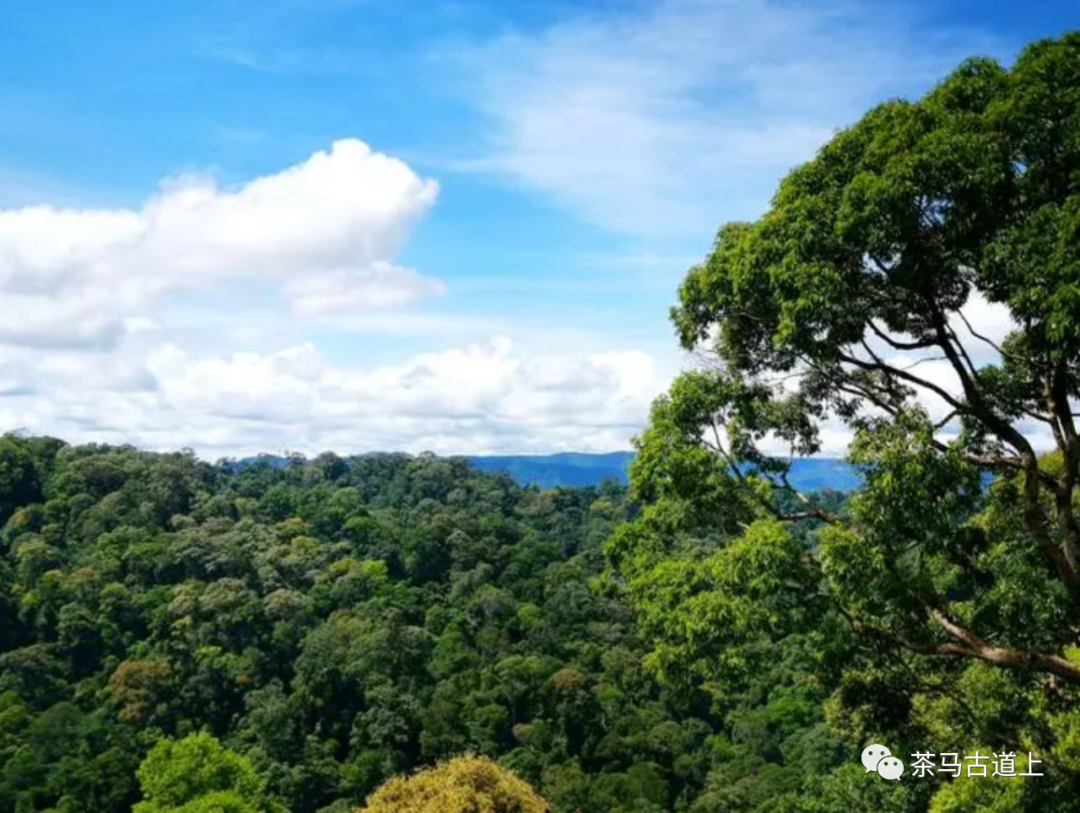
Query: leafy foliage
{"x": 296, "y": 635}
{"x": 197, "y": 774}
{"x": 938, "y": 608}
{"x": 461, "y": 785}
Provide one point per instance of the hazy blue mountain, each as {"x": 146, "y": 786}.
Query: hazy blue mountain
{"x": 582, "y": 469}
{"x": 565, "y": 469}
{"x": 578, "y": 469}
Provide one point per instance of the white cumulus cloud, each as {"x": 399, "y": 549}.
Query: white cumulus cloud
{"x": 326, "y": 231}
{"x": 484, "y": 397}
{"x": 148, "y": 289}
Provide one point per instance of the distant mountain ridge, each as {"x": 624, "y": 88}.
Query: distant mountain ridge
{"x": 563, "y": 469}
{"x": 582, "y": 469}
{"x": 568, "y": 469}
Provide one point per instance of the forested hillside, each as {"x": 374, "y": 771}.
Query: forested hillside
{"x": 339, "y": 623}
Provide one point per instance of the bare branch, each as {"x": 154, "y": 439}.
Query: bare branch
{"x": 905, "y": 376}
{"x": 979, "y": 336}
{"x": 963, "y": 351}
{"x": 944, "y": 421}
{"x": 898, "y": 345}
{"x": 814, "y": 512}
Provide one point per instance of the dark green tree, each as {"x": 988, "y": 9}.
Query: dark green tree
{"x": 943, "y": 609}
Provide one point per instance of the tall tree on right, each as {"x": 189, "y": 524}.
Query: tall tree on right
{"x": 945, "y": 600}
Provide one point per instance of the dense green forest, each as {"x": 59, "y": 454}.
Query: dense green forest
{"x": 177, "y": 635}
{"x": 337, "y": 622}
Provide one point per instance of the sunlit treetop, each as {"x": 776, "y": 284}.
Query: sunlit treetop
{"x": 461, "y": 785}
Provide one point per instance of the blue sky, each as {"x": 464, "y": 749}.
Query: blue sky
{"x": 483, "y": 256}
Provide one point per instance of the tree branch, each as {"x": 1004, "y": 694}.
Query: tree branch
{"x": 905, "y": 376}
{"x": 1057, "y": 398}
{"x": 921, "y": 344}
{"x": 963, "y": 352}
{"x": 972, "y": 646}
{"x": 1065, "y": 556}
{"x": 813, "y": 512}
{"x": 952, "y": 414}
{"x": 976, "y": 403}
{"x": 993, "y": 462}
{"x": 968, "y": 645}
{"x": 979, "y": 336}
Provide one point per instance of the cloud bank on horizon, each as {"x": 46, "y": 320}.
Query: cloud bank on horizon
{"x": 439, "y": 290}
{"x": 82, "y": 288}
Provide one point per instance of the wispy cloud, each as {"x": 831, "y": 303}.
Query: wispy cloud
{"x": 665, "y": 122}
{"x": 238, "y": 135}
{"x": 288, "y": 60}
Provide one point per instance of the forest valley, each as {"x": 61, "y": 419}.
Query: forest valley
{"x": 181, "y": 635}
